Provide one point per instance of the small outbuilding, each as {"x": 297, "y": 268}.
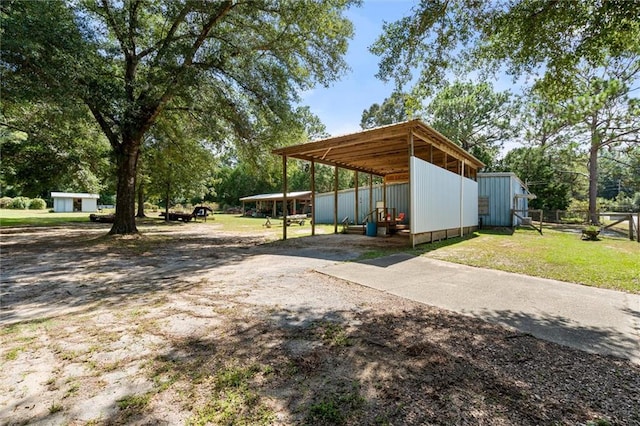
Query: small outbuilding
{"x": 64, "y": 202}
{"x": 503, "y": 200}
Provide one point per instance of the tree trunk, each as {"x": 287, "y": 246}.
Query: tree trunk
{"x": 593, "y": 177}
{"x": 140, "y": 194}
{"x": 126, "y": 160}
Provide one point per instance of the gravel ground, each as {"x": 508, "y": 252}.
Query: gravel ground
{"x": 186, "y": 324}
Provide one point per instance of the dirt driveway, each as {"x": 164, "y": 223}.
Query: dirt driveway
{"x": 187, "y": 324}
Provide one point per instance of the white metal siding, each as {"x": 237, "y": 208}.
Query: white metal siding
{"x": 470, "y": 203}
{"x": 437, "y": 195}
{"x": 63, "y": 205}
{"x": 89, "y": 205}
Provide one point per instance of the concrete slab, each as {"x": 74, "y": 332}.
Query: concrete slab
{"x": 591, "y": 319}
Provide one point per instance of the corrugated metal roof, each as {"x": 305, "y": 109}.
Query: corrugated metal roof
{"x": 74, "y": 195}
{"x": 278, "y": 196}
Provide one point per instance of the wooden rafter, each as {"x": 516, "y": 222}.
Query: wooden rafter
{"x": 385, "y": 150}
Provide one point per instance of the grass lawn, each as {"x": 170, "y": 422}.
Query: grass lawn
{"x": 228, "y": 222}
{"x": 12, "y": 217}
{"x": 612, "y": 262}
{"x": 234, "y": 222}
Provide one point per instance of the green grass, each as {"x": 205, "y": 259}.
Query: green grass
{"x": 239, "y": 223}
{"x": 608, "y": 263}
{"x": 228, "y": 222}
{"x": 11, "y": 217}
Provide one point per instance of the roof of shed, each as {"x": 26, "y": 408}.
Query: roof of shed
{"x": 300, "y": 195}
{"x": 73, "y": 195}
{"x": 381, "y": 151}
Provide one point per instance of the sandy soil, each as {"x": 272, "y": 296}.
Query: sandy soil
{"x": 186, "y": 324}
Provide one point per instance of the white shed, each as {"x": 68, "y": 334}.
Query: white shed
{"x": 74, "y": 202}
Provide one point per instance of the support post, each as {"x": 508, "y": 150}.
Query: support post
{"x": 335, "y": 200}
{"x": 357, "y": 218}
{"x": 370, "y": 193}
{"x": 313, "y": 197}
{"x": 461, "y": 198}
{"x": 284, "y": 197}
{"x": 410, "y": 197}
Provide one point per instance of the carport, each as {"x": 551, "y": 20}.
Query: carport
{"x": 443, "y": 191}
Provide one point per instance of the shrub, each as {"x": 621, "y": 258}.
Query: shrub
{"x": 38, "y": 204}
{"x": 150, "y": 207}
{"x": 20, "y": 203}
{"x": 5, "y": 202}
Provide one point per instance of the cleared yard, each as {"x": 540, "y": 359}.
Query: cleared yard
{"x": 195, "y": 324}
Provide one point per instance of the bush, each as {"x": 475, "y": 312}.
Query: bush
{"x": 150, "y": 207}
{"x": 5, "y": 202}
{"x": 38, "y": 204}
{"x": 20, "y": 203}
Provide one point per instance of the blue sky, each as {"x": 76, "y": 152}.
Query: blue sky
{"x": 340, "y": 106}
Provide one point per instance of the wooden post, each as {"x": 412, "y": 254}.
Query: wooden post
{"x": 631, "y": 236}
{"x": 284, "y": 197}
{"x": 313, "y": 197}
{"x": 370, "y": 193}
{"x": 638, "y": 226}
{"x": 335, "y": 200}
{"x": 357, "y": 218}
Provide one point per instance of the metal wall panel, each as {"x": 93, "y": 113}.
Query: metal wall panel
{"x": 501, "y": 191}
{"x": 497, "y": 189}
{"x": 438, "y": 196}
{"x": 397, "y": 197}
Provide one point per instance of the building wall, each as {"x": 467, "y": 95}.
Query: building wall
{"x": 89, "y": 205}
{"x": 397, "y": 197}
{"x": 63, "y": 205}
{"x": 442, "y": 200}
{"x": 499, "y": 191}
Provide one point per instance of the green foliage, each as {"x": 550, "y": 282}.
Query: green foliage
{"x": 21, "y": 203}
{"x": 474, "y": 117}
{"x": 59, "y": 149}
{"x": 526, "y": 35}
{"x": 539, "y": 169}
{"x": 591, "y": 233}
{"x": 5, "y": 202}
{"x": 394, "y": 109}
{"x": 38, "y": 204}
{"x": 232, "y": 69}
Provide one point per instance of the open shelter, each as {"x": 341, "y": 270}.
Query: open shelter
{"x": 267, "y": 204}
{"x": 441, "y": 176}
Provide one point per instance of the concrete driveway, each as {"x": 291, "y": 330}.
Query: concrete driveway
{"x": 595, "y": 320}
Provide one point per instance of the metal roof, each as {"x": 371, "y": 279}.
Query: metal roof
{"x": 73, "y": 195}
{"x": 383, "y": 150}
{"x": 304, "y": 195}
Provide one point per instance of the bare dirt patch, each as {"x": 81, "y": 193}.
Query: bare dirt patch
{"x": 188, "y": 325}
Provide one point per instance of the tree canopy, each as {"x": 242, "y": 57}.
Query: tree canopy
{"x": 525, "y": 36}
{"x": 235, "y": 66}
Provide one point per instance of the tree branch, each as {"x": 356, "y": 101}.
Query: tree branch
{"x": 114, "y": 25}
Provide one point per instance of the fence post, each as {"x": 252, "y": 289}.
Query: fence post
{"x": 631, "y": 236}
{"x": 638, "y": 226}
